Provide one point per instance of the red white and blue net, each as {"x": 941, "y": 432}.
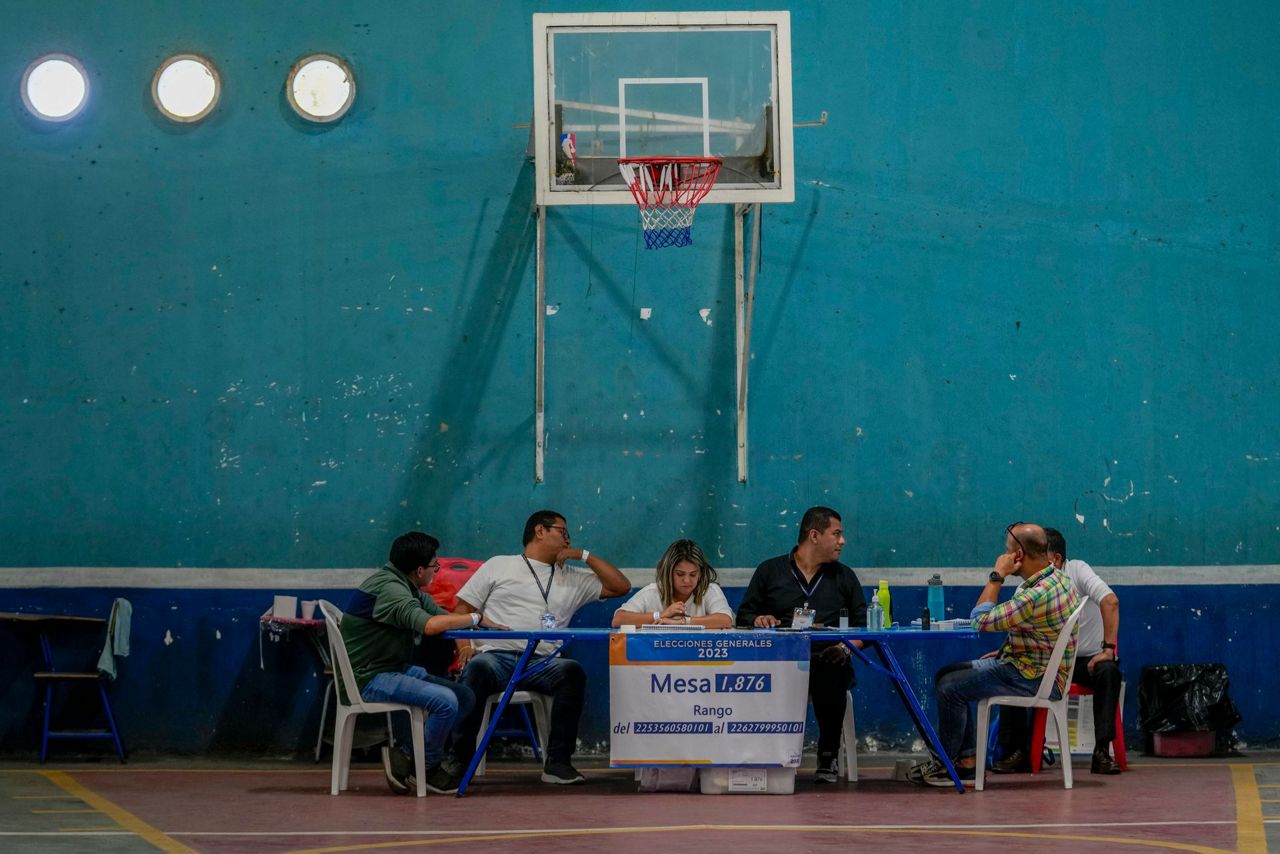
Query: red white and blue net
{"x": 667, "y": 190}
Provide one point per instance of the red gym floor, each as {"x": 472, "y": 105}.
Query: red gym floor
{"x": 1183, "y": 805}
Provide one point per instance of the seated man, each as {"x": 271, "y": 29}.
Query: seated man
{"x": 383, "y": 621}
{"x": 812, "y": 578}
{"x": 1033, "y": 619}
{"x": 533, "y": 590}
{"x": 1096, "y": 667}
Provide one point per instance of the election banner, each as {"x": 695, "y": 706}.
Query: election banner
{"x": 723, "y": 698}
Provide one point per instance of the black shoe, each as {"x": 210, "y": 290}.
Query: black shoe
{"x": 453, "y": 765}
{"x": 828, "y": 771}
{"x": 1103, "y": 763}
{"x": 440, "y": 780}
{"x": 1016, "y": 762}
{"x": 398, "y": 769}
{"x": 562, "y": 774}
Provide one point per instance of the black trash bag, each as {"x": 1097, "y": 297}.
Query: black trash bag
{"x": 1181, "y": 697}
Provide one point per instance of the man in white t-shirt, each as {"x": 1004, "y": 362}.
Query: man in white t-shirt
{"x": 533, "y": 590}
{"x": 1096, "y": 665}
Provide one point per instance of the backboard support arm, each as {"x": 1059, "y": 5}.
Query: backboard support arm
{"x": 744, "y": 303}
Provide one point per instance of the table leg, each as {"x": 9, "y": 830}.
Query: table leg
{"x": 909, "y": 699}
{"x": 516, "y": 676}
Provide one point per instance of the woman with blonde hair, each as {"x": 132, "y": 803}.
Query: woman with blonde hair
{"x": 684, "y": 592}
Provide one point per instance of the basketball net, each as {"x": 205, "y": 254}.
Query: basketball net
{"x": 667, "y": 191}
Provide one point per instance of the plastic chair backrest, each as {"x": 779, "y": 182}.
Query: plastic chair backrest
{"x": 1059, "y": 649}
{"x": 338, "y": 653}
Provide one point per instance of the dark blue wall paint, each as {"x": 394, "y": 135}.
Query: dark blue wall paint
{"x": 205, "y": 693}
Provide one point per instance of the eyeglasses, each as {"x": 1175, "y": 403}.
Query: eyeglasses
{"x": 434, "y": 565}
{"x": 564, "y": 532}
{"x": 1009, "y": 531}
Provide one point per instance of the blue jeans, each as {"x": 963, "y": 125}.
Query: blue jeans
{"x": 564, "y": 679}
{"x": 964, "y": 683}
{"x": 445, "y": 701}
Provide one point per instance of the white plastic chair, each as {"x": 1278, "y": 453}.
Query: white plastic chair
{"x": 1041, "y": 700}
{"x": 346, "y": 710}
{"x": 541, "y": 719}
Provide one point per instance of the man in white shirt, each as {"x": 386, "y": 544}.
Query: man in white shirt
{"x": 1096, "y": 665}
{"x": 533, "y": 590}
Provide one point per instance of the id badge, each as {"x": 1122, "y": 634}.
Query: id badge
{"x": 802, "y": 618}
{"x": 548, "y": 620}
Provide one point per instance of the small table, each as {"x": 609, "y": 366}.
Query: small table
{"x": 882, "y": 641}
{"x": 278, "y": 627}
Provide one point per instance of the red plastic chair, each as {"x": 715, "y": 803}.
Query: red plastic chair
{"x": 453, "y": 573}
{"x": 1038, "y": 725}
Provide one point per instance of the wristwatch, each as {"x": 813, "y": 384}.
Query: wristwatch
{"x": 995, "y": 577}
{"x": 1109, "y": 646}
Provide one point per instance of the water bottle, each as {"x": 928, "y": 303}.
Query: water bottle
{"x": 883, "y": 596}
{"x": 937, "y": 605}
{"x": 875, "y": 615}
{"x": 844, "y": 619}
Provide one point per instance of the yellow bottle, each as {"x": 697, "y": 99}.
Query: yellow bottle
{"x": 883, "y": 595}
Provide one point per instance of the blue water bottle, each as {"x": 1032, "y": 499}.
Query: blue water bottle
{"x": 937, "y": 604}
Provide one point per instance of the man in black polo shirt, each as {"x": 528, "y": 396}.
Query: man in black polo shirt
{"x": 812, "y": 577}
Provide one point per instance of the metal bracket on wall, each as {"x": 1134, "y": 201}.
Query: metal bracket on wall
{"x": 540, "y": 346}
{"x": 744, "y": 302}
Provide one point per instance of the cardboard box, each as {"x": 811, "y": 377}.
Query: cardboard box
{"x": 720, "y": 780}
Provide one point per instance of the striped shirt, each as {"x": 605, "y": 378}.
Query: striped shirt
{"x": 1033, "y": 618}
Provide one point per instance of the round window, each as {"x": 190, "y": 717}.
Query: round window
{"x": 186, "y": 87}
{"x": 321, "y": 88}
{"x": 55, "y": 87}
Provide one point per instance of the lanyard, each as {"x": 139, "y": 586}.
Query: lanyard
{"x": 808, "y": 591}
{"x": 546, "y": 594}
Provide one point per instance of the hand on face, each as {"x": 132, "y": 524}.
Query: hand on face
{"x": 1009, "y": 563}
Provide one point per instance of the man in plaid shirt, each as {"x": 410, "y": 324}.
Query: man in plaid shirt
{"x": 1033, "y": 619}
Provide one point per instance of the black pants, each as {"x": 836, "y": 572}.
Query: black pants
{"x": 563, "y": 679}
{"x": 1015, "y": 723}
{"x": 828, "y": 688}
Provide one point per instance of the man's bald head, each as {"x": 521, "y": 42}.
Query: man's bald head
{"x": 1031, "y": 538}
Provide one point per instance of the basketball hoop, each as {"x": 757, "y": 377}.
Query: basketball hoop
{"x": 667, "y": 190}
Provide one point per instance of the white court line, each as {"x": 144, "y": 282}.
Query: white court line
{"x": 679, "y": 829}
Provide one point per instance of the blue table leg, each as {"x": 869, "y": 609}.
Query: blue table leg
{"x": 890, "y": 667}
{"x": 494, "y": 719}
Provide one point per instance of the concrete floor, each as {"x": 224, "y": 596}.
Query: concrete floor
{"x": 1175, "y": 805}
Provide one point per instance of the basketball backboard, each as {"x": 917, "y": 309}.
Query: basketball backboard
{"x": 681, "y": 84}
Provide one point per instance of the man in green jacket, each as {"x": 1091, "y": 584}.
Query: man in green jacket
{"x": 383, "y": 621}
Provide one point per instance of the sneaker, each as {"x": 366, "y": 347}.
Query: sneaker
{"x": 398, "y": 769}
{"x": 827, "y": 772}
{"x": 1016, "y": 762}
{"x": 440, "y": 780}
{"x": 1103, "y": 763}
{"x": 562, "y": 774}
{"x": 941, "y": 779}
{"x": 918, "y": 772}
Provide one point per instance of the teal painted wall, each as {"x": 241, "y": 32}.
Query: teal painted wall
{"x": 1031, "y": 272}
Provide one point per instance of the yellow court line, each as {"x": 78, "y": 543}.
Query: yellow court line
{"x": 785, "y": 828}
{"x": 121, "y": 816}
{"x": 1251, "y": 834}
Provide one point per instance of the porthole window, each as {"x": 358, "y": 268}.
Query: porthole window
{"x": 321, "y": 88}
{"x": 55, "y": 87}
{"x": 186, "y": 87}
